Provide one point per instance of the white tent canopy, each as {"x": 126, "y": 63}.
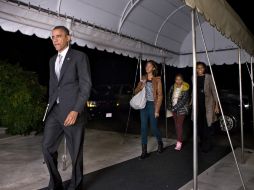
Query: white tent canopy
{"x": 160, "y": 30}
{"x": 221, "y": 49}
{"x": 166, "y": 23}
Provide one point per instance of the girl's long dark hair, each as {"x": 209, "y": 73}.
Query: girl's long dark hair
{"x": 155, "y": 71}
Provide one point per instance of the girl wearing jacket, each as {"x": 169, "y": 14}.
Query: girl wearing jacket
{"x": 150, "y": 113}
{"x": 178, "y": 103}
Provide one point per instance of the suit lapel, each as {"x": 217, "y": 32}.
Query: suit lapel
{"x": 65, "y": 64}
{"x": 53, "y": 67}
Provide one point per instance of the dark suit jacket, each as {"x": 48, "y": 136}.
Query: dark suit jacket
{"x": 74, "y": 85}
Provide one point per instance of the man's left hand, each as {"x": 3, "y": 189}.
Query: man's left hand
{"x": 71, "y": 118}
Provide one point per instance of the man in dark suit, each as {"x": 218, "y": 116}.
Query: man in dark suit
{"x": 69, "y": 89}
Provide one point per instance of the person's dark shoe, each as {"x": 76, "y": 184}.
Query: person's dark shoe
{"x": 144, "y": 153}
{"x": 57, "y": 188}
{"x": 160, "y": 147}
{"x": 206, "y": 148}
{"x": 79, "y": 187}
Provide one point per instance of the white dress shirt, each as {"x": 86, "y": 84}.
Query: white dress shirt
{"x": 59, "y": 63}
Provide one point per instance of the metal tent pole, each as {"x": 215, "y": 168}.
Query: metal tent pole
{"x": 241, "y": 104}
{"x": 165, "y": 95}
{"x": 250, "y": 71}
{"x": 252, "y": 90}
{"x": 64, "y": 157}
{"x": 194, "y": 105}
{"x": 129, "y": 113}
{"x": 140, "y": 67}
{"x": 219, "y": 102}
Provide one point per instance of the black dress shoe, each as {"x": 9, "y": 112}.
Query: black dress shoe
{"x": 160, "y": 147}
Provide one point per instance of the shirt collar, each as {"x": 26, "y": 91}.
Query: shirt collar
{"x": 64, "y": 52}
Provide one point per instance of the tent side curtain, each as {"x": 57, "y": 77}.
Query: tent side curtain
{"x": 216, "y": 58}
{"x": 29, "y": 22}
{"x": 226, "y": 21}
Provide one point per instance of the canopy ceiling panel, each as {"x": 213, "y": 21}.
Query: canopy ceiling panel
{"x": 221, "y": 15}
{"x": 221, "y": 49}
{"x": 148, "y": 18}
{"x": 134, "y": 27}
{"x": 215, "y": 41}
{"x": 174, "y": 32}
{"x": 102, "y": 13}
{"x": 31, "y": 21}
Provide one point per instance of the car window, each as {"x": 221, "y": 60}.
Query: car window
{"x": 111, "y": 90}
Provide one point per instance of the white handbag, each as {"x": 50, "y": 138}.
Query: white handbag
{"x": 139, "y": 100}
{"x": 169, "y": 113}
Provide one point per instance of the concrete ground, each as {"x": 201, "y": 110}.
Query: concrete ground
{"x": 22, "y": 167}
{"x": 224, "y": 176}
{"x": 21, "y": 160}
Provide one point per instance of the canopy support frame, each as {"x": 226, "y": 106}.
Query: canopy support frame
{"x": 194, "y": 104}
{"x": 165, "y": 21}
{"x": 133, "y": 88}
{"x": 252, "y": 90}
{"x": 126, "y": 12}
{"x": 241, "y": 104}
{"x": 58, "y": 6}
{"x": 165, "y": 95}
{"x": 64, "y": 156}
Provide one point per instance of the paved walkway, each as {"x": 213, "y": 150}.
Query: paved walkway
{"x": 22, "y": 165}
{"x": 224, "y": 176}
{"x": 21, "y": 160}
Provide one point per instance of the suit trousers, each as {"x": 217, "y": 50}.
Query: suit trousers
{"x": 53, "y": 134}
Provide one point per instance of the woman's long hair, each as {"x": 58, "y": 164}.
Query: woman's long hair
{"x": 155, "y": 71}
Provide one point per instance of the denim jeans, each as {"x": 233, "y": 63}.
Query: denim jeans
{"x": 148, "y": 115}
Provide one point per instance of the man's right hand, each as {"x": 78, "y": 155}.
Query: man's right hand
{"x": 71, "y": 119}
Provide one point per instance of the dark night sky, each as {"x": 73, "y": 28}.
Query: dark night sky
{"x": 33, "y": 53}
{"x": 244, "y": 9}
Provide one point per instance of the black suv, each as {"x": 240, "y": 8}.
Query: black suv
{"x": 231, "y": 108}
{"x": 109, "y": 101}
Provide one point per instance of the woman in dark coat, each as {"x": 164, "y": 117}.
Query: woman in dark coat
{"x": 207, "y": 106}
